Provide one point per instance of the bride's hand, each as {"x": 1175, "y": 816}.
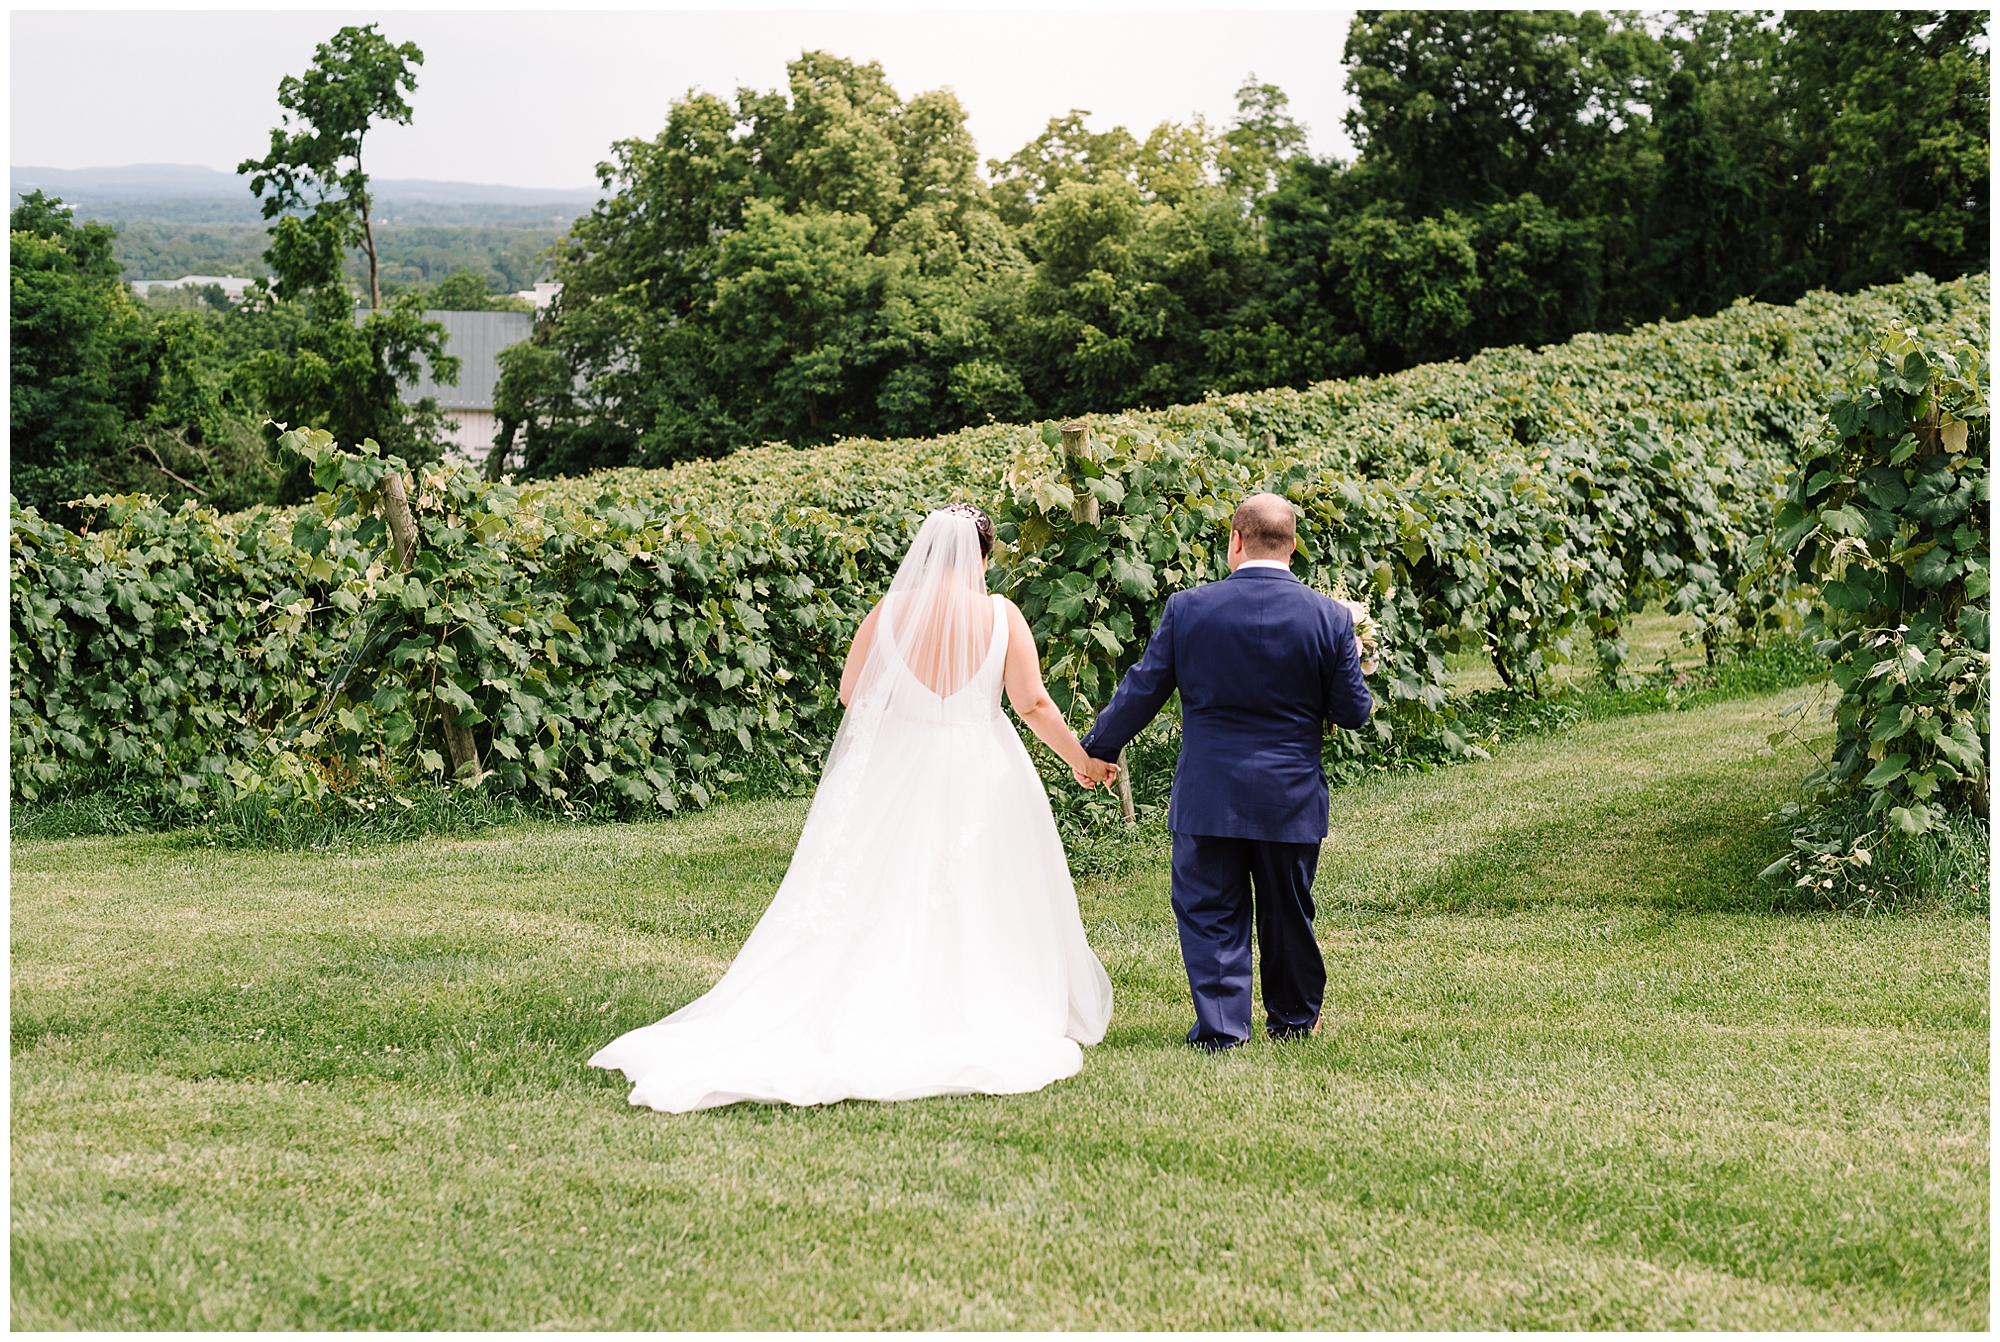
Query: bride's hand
{"x": 1096, "y": 771}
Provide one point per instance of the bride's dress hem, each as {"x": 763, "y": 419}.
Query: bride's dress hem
{"x": 834, "y": 1079}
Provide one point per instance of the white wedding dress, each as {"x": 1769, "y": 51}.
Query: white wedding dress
{"x": 925, "y": 940}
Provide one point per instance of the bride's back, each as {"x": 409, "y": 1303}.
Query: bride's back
{"x": 925, "y": 939}
{"x": 937, "y": 622}
{"x": 941, "y": 633}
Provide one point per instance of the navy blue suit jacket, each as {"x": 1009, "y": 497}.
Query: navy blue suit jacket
{"x": 1262, "y": 662}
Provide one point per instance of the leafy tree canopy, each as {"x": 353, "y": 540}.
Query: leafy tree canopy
{"x": 466, "y": 291}
{"x": 1455, "y": 110}
{"x": 81, "y": 354}
{"x": 358, "y": 78}
{"x": 824, "y": 260}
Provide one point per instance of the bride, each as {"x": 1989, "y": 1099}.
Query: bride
{"x": 925, "y": 940}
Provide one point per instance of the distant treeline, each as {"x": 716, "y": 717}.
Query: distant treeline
{"x": 413, "y": 255}
{"x": 828, "y": 260}
{"x": 244, "y": 210}
{"x": 421, "y": 243}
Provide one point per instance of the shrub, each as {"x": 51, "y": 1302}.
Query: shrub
{"x": 1843, "y": 858}
{"x": 1888, "y": 513}
{"x": 604, "y": 649}
{"x": 645, "y": 639}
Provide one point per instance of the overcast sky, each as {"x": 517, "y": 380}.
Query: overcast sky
{"x": 531, "y": 98}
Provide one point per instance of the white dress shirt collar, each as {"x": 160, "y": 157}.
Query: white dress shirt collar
{"x": 1264, "y": 563}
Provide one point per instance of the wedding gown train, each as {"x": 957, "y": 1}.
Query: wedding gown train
{"x": 925, "y": 940}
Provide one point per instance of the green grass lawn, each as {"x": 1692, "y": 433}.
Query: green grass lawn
{"x": 1567, "y": 1080}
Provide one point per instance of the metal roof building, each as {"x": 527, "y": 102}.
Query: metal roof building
{"x": 232, "y": 286}
{"x": 477, "y": 339}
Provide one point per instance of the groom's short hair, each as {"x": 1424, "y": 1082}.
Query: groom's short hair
{"x": 1265, "y": 522}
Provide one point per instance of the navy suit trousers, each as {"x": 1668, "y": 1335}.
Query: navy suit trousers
{"x": 1221, "y": 888}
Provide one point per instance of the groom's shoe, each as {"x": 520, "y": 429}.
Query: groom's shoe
{"x": 1216, "y": 1045}
{"x": 1213, "y": 1043}
{"x": 1282, "y": 1033}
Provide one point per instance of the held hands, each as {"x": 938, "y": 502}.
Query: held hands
{"x": 1095, "y": 771}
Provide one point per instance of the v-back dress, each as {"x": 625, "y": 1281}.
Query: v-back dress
{"x": 925, "y": 940}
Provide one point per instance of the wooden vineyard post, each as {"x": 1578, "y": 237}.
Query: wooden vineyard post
{"x": 396, "y": 509}
{"x": 1076, "y": 441}
{"x": 458, "y": 741}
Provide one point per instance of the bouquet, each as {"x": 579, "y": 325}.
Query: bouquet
{"x": 1367, "y": 633}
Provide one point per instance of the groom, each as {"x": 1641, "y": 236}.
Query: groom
{"x": 1262, "y": 662}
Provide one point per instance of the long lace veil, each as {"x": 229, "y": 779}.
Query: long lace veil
{"x": 931, "y": 638}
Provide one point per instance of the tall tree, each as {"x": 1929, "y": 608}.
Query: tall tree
{"x": 1258, "y": 144}
{"x": 200, "y": 437}
{"x": 1131, "y": 284}
{"x": 465, "y": 290}
{"x": 822, "y": 260}
{"x": 1506, "y": 158}
{"x": 81, "y": 354}
{"x": 1298, "y": 327}
{"x": 1459, "y": 109}
{"x": 1893, "y": 114}
{"x": 318, "y": 366}
{"x": 314, "y": 364}
{"x": 1065, "y": 151}
{"x": 800, "y": 264}
{"x": 358, "y": 78}
{"x": 1704, "y": 235}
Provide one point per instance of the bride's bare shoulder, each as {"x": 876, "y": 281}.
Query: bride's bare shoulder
{"x": 1017, "y": 624}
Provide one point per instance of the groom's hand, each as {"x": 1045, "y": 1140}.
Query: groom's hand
{"x": 1095, "y": 771}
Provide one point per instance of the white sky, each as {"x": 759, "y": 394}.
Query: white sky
{"x": 534, "y": 98}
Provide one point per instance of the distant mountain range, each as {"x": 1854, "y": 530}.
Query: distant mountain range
{"x": 186, "y": 181}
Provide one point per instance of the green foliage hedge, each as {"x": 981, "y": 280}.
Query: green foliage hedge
{"x": 1521, "y": 501}
{"x": 593, "y": 642}
{"x": 1889, "y": 514}
{"x": 632, "y": 636}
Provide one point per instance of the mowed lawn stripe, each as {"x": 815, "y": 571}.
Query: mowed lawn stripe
{"x": 1565, "y": 1082}
{"x": 935, "y": 1228}
{"x": 1660, "y": 809}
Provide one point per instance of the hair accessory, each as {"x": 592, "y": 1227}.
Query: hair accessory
{"x": 982, "y": 525}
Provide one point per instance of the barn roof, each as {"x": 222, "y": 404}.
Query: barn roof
{"x": 477, "y": 339}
